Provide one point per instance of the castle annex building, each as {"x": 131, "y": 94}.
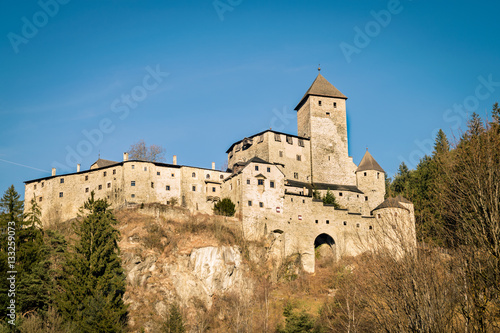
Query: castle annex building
{"x": 273, "y": 178}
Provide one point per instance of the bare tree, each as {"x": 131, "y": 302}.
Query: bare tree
{"x": 153, "y": 153}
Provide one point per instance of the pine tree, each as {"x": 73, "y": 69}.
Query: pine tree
{"x": 441, "y": 144}
{"x": 329, "y": 199}
{"x": 174, "y": 323}
{"x": 94, "y": 281}
{"x": 475, "y": 126}
{"x": 496, "y": 113}
{"x": 400, "y": 184}
{"x": 224, "y": 207}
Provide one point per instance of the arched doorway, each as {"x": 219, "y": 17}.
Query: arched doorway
{"x": 325, "y": 248}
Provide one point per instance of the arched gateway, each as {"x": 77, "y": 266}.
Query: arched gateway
{"x": 325, "y": 245}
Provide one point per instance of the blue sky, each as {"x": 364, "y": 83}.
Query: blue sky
{"x": 226, "y": 69}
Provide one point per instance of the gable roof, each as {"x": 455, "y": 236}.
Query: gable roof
{"x": 369, "y": 163}
{"x": 260, "y": 133}
{"x": 321, "y": 87}
{"x": 100, "y": 163}
{"x": 393, "y": 203}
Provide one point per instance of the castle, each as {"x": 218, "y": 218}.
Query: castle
{"x": 273, "y": 178}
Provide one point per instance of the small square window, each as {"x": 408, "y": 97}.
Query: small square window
{"x": 42, "y": 184}
{"x": 114, "y": 171}
{"x": 268, "y": 169}
{"x": 319, "y": 103}
{"x": 281, "y": 153}
{"x": 277, "y": 137}
{"x": 133, "y": 166}
{"x": 301, "y": 143}
{"x": 213, "y": 189}
{"x": 86, "y": 178}
{"x": 366, "y": 198}
{"x": 207, "y": 176}
{"x": 370, "y": 227}
{"x": 221, "y": 176}
{"x": 132, "y": 195}
{"x": 152, "y": 185}
{"x": 145, "y": 168}
{"x": 157, "y": 173}
{"x": 256, "y": 168}
{"x": 378, "y": 215}
{"x": 132, "y": 183}
{"x": 357, "y": 225}
{"x": 261, "y": 181}
{"x": 261, "y": 204}
{"x": 87, "y": 190}
{"x": 334, "y": 104}
{"x": 40, "y": 199}
{"x": 193, "y": 175}
{"x": 249, "y": 203}
{"x": 248, "y": 181}
{"x": 328, "y": 114}
{"x": 34, "y": 187}
{"x": 194, "y": 188}
{"x": 345, "y": 222}
{"x": 173, "y": 175}
{"x": 299, "y": 158}
{"x": 289, "y": 140}
{"x": 167, "y": 187}
{"x": 100, "y": 187}
{"x": 296, "y": 175}
{"x": 316, "y": 221}
{"x": 61, "y": 181}
{"x": 340, "y": 194}
{"x": 104, "y": 173}
{"x": 327, "y": 221}
{"x": 60, "y": 194}
{"x": 271, "y": 184}
{"x": 364, "y": 174}
{"x": 108, "y": 185}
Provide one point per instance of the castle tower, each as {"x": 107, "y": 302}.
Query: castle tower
{"x": 321, "y": 116}
{"x": 370, "y": 178}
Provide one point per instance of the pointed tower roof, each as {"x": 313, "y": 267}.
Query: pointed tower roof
{"x": 321, "y": 87}
{"x": 369, "y": 163}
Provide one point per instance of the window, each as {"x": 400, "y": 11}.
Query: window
{"x": 108, "y": 185}
{"x": 319, "y": 103}
{"x": 277, "y": 137}
{"x": 173, "y": 175}
{"x": 378, "y": 215}
{"x": 87, "y": 190}
{"x": 86, "y": 178}
{"x": 327, "y": 221}
{"x": 249, "y": 203}
{"x": 132, "y": 183}
{"x": 393, "y": 226}
{"x": 340, "y": 194}
{"x": 114, "y": 171}
{"x": 157, "y": 173}
{"x": 281, "y": 153}
{"x": 60, "y": 194}
{"x": 207, "y": 176}
{"x": 328, "y": 114}
{"x": 268, "y": 169}
{"x": 132, "y": 195}
{"x": 213, "y": 189}
{"x": 34, "y": 187}
{"x": 261, "y": 181}
{"x": 193, "y": 175}
{"x": 42, "y": 185}
{"x": 364, "y": 174}
{"x": 334, "y": 104}
{"x": 256, "y": 168}
{"x": 370, "y": 227}
{"x": 296, "y": 175}
{"x": 104, "y": 173}
{"x": 378, "y": 175}
{"x": 99, "y": 187}
{"x": 221, "y": 176}
{"x": 366, "y": 198}
{"x": 301, "y": 143}
{"x": 167, "y": 187}
{"x": 145, "y": 168}
{"x": 299, "y": 158}
{"x": 271, "y": 184}
{"x": 61, "y": 181}
{"x": 357, "y": 225}
{"x": 345, "y": 222}
{"x": 316, "y": 221}
{"x": 237, "y": 148}
{"x": 289, "y": 140}
{"x": 261, "y": 204}
{"x": 152, "y": 185}
{"x": 194, "y": 188}
{"x": 261, "y": 138}
{"x": 133, "y": 166}
{"x": 248, "y": 181}
{"x": 40, "y": 199}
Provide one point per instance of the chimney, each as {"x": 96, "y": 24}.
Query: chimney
{"x": 53, "y": 171}
{"x": 78, "y": 168}
{"x": 213, "y": 165}
{"x": 125, "y": 157}
{"x": 174, "y": 162}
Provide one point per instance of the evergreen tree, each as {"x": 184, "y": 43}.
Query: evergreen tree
{"x": 94, "y": 281}
{"x": 329, "y": 199}
{"x": 496, "y": 114}
{"x": 475, "y": 126}
{"x": 441, "y": 144}
{"x": 296, "y": 322}
{"x": 174, "y": 323}
{"x": 400, "y": 184}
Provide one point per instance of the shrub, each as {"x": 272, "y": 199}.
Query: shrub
{"x": 225, "y": 207}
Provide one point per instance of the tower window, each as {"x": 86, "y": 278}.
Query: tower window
{"x": 132, "y": 195}
{"x": 100, "y": 187}
{"x": 345, "y": 222}
{"x": 261, "y": 204}
{"x": 319, "y": 103}
{"x": 370, "y": 227}
{"x": 105, "y": 173}
{"x": 60, "y": 194}
{"x": 108, "y": 185}
{"x": 277, "y": 137}
{"x": 268, "y": 169}
{"x": 261, "y": 181}
{"x": 213, "y": 189}
{"x": 271, "y": 184}
{"x": 249, "y": 203}
{"x": 145, "y": 168}
{"x": 61, "y": 180}
{"x": 248, "y": 181}
{"x": 378, "y": 175}
{"x": 152, "y": 185}
{"x": 157, "y": 173}
{"x": 194, "y": 188}
{"x": 299, "y": 158}
{"x": 357, "y": 225}
{"x": 167, "y": 187}
{"x": 328, "y": 114}
{"x": 86, "y": 190}
{"x": 364, "y": 174}
{"x": 289, "y": 139}
{"x": 334, "y": 104}
{"x": 193, "y": 175}
{"x": 132, "y": 183}
{"x": 327, "y": 221}
{"x": 256, "y": 168}
{"x": 40, "y": 199}
{"x": 296, "y": 175}
{"x": 208, "y": 176}
{"x": 114, "y": 171}
{"x": 301, "y": 143}
{"x": 316, "y": 221}
{"x": 281, "y": 153}
{"x": 366, "y": 198}
{"x": 340, "y": 194}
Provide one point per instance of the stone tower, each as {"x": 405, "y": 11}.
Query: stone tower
{"x": 321, "y": 116}
{"x": 370, "y": 179}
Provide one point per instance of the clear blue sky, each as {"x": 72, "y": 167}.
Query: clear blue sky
{"x": 234, "y": 68}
